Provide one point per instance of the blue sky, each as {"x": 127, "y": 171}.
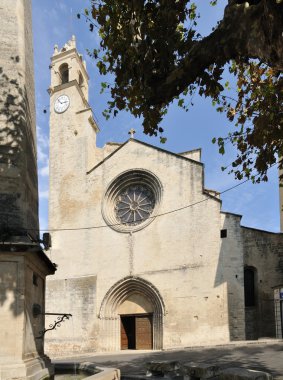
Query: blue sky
{"x": 54, "y": 22}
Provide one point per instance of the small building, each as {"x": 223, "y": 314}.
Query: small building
{"x": 146, "y": 257}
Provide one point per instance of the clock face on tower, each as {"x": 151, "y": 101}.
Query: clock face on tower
{"x": 61, "y": 104}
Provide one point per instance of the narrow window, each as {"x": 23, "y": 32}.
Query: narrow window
{"x": 223, "y": 234}
{"x": 64, "y": 73}
{"x": 35, "y": 279}
{"x": 249, "y": 284}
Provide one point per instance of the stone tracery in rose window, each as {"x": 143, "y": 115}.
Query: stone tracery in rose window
{"x": 134, "y": 204}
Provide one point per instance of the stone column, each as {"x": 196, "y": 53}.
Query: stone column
{"x": 23, "y": 264}
{"x": 18, "y": 168}
{"x": 23, "y": 270}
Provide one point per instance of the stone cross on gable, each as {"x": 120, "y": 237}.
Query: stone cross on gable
{"x": 132, "y": 132}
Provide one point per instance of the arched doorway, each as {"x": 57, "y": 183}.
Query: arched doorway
{"x": 136, "y": 314}
{"x": 132, "y": 316}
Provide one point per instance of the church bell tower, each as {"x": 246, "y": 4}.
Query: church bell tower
{"x": 72, "y": 132}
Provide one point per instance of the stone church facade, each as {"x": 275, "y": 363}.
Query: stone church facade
{"x": 146, "y": 258}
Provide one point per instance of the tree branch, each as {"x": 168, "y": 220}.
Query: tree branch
{"x": 245, "y": 32}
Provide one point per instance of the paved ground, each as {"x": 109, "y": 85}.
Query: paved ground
{"x": 265, "y": 356}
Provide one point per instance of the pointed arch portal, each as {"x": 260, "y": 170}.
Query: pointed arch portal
{"x": 131, "y": 295}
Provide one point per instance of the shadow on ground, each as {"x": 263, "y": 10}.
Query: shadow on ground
{"x": 268, "y": 358}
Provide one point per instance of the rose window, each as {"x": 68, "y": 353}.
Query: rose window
{"x": 134, "y": 204}
{"x": 132, "y": 200}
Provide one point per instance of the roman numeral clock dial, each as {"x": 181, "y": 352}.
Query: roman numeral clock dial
{"x": 62, "y": 103}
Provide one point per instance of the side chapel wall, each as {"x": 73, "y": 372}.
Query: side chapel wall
{"x": 264, "y": 252}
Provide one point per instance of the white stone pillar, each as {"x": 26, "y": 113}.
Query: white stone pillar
{"x": 22, "y": 285}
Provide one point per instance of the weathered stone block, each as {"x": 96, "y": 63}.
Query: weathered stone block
{"x": 243, "y": 374}
{"x": 164, "y": 368}
{"x": 201, "y": 370}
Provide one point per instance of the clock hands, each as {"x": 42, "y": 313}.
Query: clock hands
{"x": 62, "y": 103}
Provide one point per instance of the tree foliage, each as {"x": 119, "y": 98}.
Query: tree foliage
{"x": 154, "y": 51}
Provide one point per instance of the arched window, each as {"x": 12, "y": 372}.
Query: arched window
{"x": 64, "y": 73}
{"x": 249, "y": 286}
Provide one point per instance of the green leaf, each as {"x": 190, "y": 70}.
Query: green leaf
{"x": 222, "y": 150}
{"x": 181, "y": 102}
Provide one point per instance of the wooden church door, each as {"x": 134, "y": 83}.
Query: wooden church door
{"x": 144, "y": 332}
{"x": 136, "y": 332}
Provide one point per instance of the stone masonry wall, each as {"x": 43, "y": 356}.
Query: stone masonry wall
{"x": 76, "y": 296}
{"x": 18, "y": 170}
{"x": 231, "y": 266}
{"x": 281, "y": 200}
{"x": 174, "y": 261}
{"x": 264, "y": 252}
